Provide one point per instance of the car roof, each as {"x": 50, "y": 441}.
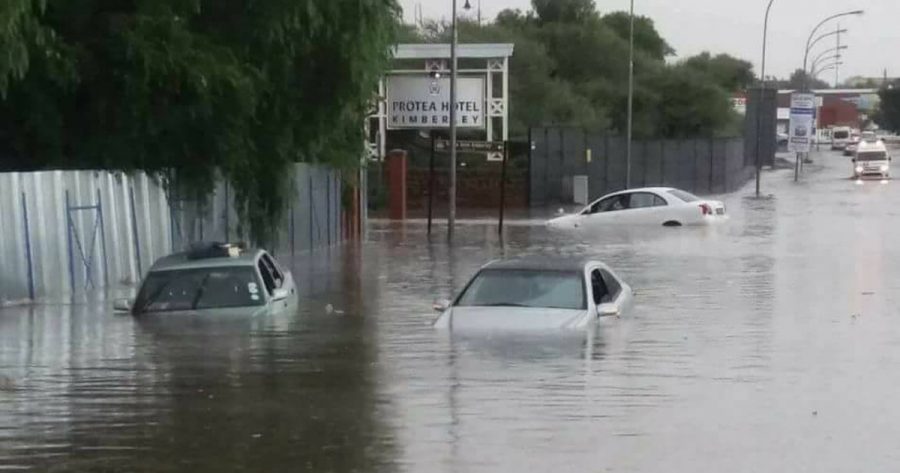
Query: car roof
{"x": 181, "y": 261}
{"x": 657, "y": 190}
{"x": 543, "y": 263}
{"x": 872, "y": 146}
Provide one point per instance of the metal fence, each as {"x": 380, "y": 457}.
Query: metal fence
{"x": 69, "y": 233}
{"x": 704, "y": 166}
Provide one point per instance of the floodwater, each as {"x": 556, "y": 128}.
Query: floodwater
{"x": 770, "y": 343}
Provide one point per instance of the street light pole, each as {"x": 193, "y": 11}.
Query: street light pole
{"x": 451, "y": 212}
{"x": 762, "y": 78}
{"x": 630, "y": 99}
{"x": 809, "y": 42}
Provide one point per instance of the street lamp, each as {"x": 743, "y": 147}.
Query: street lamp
{"x": 762, "y": 78}
{"x": 821, "y": 55}
{"x": 451, "y": 213}
{"x": 815, "y": 66}
{"x": 825, "y": 35}
{"x": 813, "y": 33}
{"x": 829, "y": 67}
{"x": 630, "y": 98}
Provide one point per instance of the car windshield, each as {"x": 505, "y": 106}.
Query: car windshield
{"x": 684, "y": 196}
{"x": 198, "y": 289}
{"x": 871, "y": 156}
{"x": 525, "y": 288}
{"x": 841, "y": 135}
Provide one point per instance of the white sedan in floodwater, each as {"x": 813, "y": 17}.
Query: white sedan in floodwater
{"x": 647, "y": 206}
{"x": 536, "y": 294}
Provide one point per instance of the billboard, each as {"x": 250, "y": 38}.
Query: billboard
{"x": 803, "y": 112}
{"x": 424, "y": 102}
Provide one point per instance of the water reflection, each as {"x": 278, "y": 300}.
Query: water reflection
{"x": 768, "y": 343}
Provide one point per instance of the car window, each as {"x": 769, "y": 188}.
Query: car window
{"x": 611, "y": 204}
{"x": 841, "y": 135}
{"x": 268, "y": 278}
{"x": 684, "y": 196}
{"x": 599, "y": 289}
{"x": 525, "y": 288}
{"x": 642, "y": 200}
{"x": 202, "y": 288}
{"x": 273, "y": 269}
{"x": 612, "y": 284}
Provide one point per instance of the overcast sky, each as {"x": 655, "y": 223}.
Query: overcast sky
{"x": 735, "y": 27}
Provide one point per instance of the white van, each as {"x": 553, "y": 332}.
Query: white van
{"x": 871, "y": 159}
{"x": 840, "y": 137}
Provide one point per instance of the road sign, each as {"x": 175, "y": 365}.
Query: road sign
{"x": 471, "y": 146}
{"x": 803, "y": 111}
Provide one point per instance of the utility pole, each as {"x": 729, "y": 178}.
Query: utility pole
{"x": 451, "y": 214}
{"x": 630, "y": 100}
{"x": 762, "y": 95}
{"x": 837, "y": 67}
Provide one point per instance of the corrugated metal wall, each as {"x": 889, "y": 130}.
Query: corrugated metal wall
{"x": 70, "y": 233}
{"x": 705, "y": 166}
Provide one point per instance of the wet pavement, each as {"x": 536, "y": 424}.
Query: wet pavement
{"x": 770, "y": 343}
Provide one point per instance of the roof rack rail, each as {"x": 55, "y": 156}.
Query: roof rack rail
{"x": 204, "y": 250}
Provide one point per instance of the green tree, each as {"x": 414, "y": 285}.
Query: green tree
{"x": 188, "y": 89}
{"x": 797, "y": 80}
{"x": 564, "y": 11}
{"x": 729, "y": 72}
{"x": 888, "y": 114}
{"x": 646, "y": 38}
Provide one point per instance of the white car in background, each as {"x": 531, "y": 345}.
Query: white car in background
{"x": 663, "y": 206}
{"x": 536, "y": 294}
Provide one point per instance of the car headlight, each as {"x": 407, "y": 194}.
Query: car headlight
{"x": 859, "y": 169}
{"x": 884, "y": 168}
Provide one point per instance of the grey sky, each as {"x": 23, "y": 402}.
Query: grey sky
{"x": 735, "y": 27}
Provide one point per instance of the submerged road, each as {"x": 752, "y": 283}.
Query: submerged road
{"x": 770, "y": 343}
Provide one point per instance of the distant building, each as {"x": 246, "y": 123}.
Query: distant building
{"x": 836, "y": 107}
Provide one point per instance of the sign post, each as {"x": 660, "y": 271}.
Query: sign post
{"x": 503, "y": 187}
{"x": 803, "y": 110}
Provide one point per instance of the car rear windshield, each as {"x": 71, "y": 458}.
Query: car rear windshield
{"x": 871, "y": 156}
{"x": 525, "y": 288}
{"x": 684, "y": 196}
{"x": 841, "y": 135}
{"x": 198, "y": 289}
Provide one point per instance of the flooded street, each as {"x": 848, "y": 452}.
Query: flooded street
{"x": 770, "y": 343}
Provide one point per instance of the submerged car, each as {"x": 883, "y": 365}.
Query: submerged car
{"x": 537, "y": 294}
{"x": 214, "y": 278}
{"x": 871, "y": 160}
{"x": 648, "y": 206}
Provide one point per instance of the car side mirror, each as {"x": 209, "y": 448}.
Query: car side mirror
{"x": 122, "y": 305}
{"x": 441, "y": 305}
{"x": 853, "y": 160}
{"x": 280, "y": 294}
{"x": 607, "y": 309}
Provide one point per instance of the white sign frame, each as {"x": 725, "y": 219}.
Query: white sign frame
{"x": 415, "y": 102}
{"x": 802, "y": 124}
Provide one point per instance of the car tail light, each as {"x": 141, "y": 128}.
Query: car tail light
{"x": 706, "y": 209}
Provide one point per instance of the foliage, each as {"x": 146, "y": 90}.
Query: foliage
{"x": 730, "y": 73}
{"x": 570, "y": 68}
{"x": 888, "y": 114}
{"x": 646, "y": 38}
{"x": 563, "y": 11}
{"x": 797, "y": 80}
{"x": 186, "y": 89}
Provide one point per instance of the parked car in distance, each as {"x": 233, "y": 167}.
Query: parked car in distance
{"x": 840, "y": 137}
{"x": 537, "y": 294}
{"x": 852, "y": 145}
{"x": 216, "y": 279}
{"x": 872, "y": 160}
{"x": 646, "y": 206}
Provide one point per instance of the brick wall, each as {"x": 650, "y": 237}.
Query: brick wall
{"x": 476, "y": 188}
